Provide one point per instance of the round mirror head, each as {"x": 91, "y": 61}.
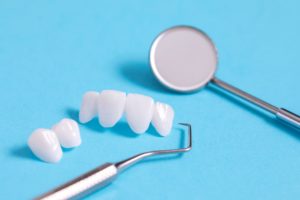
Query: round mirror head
{"x": 183, "y": 58}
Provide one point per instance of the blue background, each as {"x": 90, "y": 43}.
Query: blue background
{"x": 52, "y": 52}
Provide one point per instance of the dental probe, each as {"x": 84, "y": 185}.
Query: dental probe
{"x": 105, "y": 174}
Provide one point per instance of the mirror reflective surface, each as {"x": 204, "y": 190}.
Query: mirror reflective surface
{"x": 183, "y": 58}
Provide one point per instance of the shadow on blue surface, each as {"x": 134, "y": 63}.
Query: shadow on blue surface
{"x": 256, "y": 111}
{"x": 101, "y": 191}
{"x": 140, "y": 74}
{"x": 23, "y": 152}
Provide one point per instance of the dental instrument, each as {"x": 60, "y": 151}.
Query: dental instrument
{"x": 184, "y": 59}
{"x": 105, "y": 174}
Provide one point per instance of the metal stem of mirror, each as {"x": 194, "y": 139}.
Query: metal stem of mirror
{"x": 281, "y": 114}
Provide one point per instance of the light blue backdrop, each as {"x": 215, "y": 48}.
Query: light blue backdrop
{"x": 51, "y": 52}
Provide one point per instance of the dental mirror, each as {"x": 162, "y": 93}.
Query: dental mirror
{"x": 184, "y": 59}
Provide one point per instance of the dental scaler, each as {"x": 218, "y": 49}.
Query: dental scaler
{"x": 105, "y": 174}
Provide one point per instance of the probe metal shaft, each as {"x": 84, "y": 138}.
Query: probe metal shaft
{"x": 105, "y": 174}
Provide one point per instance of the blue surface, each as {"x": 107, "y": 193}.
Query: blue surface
{"x": 51, "y": 52}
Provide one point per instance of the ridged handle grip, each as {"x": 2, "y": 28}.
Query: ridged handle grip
{"x": 288, "y": 118}
{"x": 84, "y": 184}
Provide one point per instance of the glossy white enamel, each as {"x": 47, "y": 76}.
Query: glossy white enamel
{"x": 111, "y": 105}
{"x": 162, "y": 119}
{"x": 67, "y": 132}
{"x": 88, "y": 108}
{"x": 139, "y": 112}
{"x": 45, "y": 145}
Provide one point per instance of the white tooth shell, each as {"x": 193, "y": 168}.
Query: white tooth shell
{"x": 162, "y": 119}
{"x": 111, "y": 105}
{"x": 88, "y": 108}
{"x": 139, "y": 111}
{"x": 67, "y": 132}
{"x": 45, "y": 145}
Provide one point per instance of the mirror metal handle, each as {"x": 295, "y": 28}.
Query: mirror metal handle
{"x": 288, "y": 118}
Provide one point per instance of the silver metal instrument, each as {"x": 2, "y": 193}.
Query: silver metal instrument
{"x": 105, "y": 174}
{"x": 185, "y": 59}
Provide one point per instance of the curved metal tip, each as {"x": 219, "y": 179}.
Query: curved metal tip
{"x": 130, "y": 161}
{"x": 189, "y": 147}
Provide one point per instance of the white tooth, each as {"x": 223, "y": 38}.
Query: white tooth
{"x": 111, "y": 106}
{"x": 88, "y": 107}
{"x": 162, "y": 119}
{"x": 139, "y": 111}
{"x": 67, "y": 132}
{"x": 45, "y": 145}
